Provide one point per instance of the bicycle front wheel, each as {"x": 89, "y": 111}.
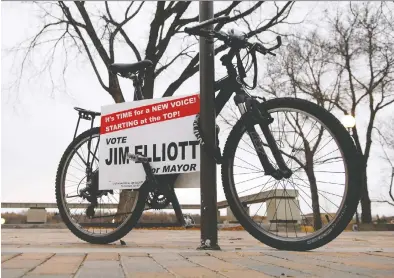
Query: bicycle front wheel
{"x": 314, "y": 205}
{"x": 115, "y": 213}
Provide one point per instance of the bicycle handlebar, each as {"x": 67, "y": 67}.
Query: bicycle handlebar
{"x": 236, "y": 43}
{"x": 264, "y": 50}
{"x": 208, "y": 22}
{"x": 232, "y": 41}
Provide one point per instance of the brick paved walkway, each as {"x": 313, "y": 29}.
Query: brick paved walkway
{"x": 57, "y": 253}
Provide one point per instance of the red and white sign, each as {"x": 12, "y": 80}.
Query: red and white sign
{"x": 160, "y": 129}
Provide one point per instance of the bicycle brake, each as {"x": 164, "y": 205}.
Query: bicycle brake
{"x": 258, "y": 114}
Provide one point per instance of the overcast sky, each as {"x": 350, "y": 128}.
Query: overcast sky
{"x": 37, "y": 122}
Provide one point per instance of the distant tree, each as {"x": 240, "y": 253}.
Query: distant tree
{"x": 299, "y": 72}
{"x": 386, "y": 140}
{"x": 356, "y": 59}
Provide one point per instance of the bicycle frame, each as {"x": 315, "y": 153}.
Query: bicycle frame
{"x": 248, "y": 107}
{"x": 250, "y": 114}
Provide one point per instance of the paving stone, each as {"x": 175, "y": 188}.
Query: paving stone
{"x": 193, "y": 254}
{"x": 13, "y": 273}
{"x": 386, "y": 276}
{"x": 100, "y": 273}
{"x": 266, "y": 268}
{"x": 14, "y": 263}
{"x": 318, "y": 261}
{"x": 225, "y": 268}
{"x": 134, "y": 254}
{"x": 74, "y": 254}
{"x": 350, "y": 255}
{"x": 381, "y": 254}
{"x": 26, "y": 260}
{"x": 194, "y": 272}
{"x": 100, "y": 264}
{"x": 236, "y": 273}
{"x": 213, "y": 263}
{"x": 150, "y": 245}
{"x": 248, "y": 254}
{"x": 172, "y": 260}
{"x": 60, "y": 264}
{"x": 99, "y": 269}
{"x": 6, "y": 257}
{"x": 224, "y": 255}
{"x": 180, "y": 266}
{"x": 102, "y": 256}
{"x": 132, "y": 265}
{"x": 56, "y": 268}
{"x": 60, "y": 258}
{"x": 34, "y": 256}
{"x": 149, "y": 275}
{"x": 363, "y": 263}
{"x": 48, "y": 276}
{"x": 307, "y": 268}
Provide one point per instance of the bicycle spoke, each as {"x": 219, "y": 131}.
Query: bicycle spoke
{"x": 250, "y": 179}
{"x": 327, "y": 182}
{"x": 256, "y": 186}
{"x": 74, "y": 180}
{"x": 245, "y": 168}
{"x": 289, "y": 216}
{"x": 323, "y": 195}
{"x": 249, "y": 164}
{"x": 276, "y": 184}
{"x": 306, "y": 194}
{"x": 327, "y": 154}
{"x": 248, "y": 173}
{"x": 324, "y": 146}
{"x": 83, "y": 160}
{"x": 295, "y": 230}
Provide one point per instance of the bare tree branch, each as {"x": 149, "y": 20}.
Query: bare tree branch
{"x": 67, "y": 13}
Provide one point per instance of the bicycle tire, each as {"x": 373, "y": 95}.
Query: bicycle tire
{"x": 344, "y": 141}
{"x": 125, "y": 228}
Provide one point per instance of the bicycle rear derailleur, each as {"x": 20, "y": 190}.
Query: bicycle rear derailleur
{"x": 91, "y": 193}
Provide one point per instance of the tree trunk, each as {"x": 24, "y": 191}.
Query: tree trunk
{"x": 317, "y": 222}
{"x": 114, "y": 88}
{"x": 366, "y": 214}
{"x": 127, "y": 198}
{"x": 149, "y": 83}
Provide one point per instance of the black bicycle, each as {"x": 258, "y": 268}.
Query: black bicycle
{"x": 278, "y": 152}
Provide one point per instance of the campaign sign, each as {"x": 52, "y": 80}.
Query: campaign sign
{"x": 160, "y": 129}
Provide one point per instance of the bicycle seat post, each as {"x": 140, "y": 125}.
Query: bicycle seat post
{"x": 138, "y": 82}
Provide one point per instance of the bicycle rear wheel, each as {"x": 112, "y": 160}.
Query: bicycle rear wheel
{"x": 292, "y": 221}
{"x": 107, "y": 221}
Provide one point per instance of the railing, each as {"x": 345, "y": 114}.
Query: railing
{"x": 75, "y": 205}
{"x": 247, "y": 200}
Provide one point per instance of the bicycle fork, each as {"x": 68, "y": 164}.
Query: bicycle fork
{"x": 247, "y": 104}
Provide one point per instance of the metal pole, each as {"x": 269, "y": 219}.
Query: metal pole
{"x": 209, "y": 232}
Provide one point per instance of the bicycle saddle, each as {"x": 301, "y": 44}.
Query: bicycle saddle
{"x": 130, "y": 68}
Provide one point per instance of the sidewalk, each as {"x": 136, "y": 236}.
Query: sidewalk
{"x": 147, "y": 253}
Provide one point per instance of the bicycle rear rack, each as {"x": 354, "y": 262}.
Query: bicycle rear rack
{"x": 85, "y": 115}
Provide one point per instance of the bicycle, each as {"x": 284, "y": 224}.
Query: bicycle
{"x": 158, "y": 190}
